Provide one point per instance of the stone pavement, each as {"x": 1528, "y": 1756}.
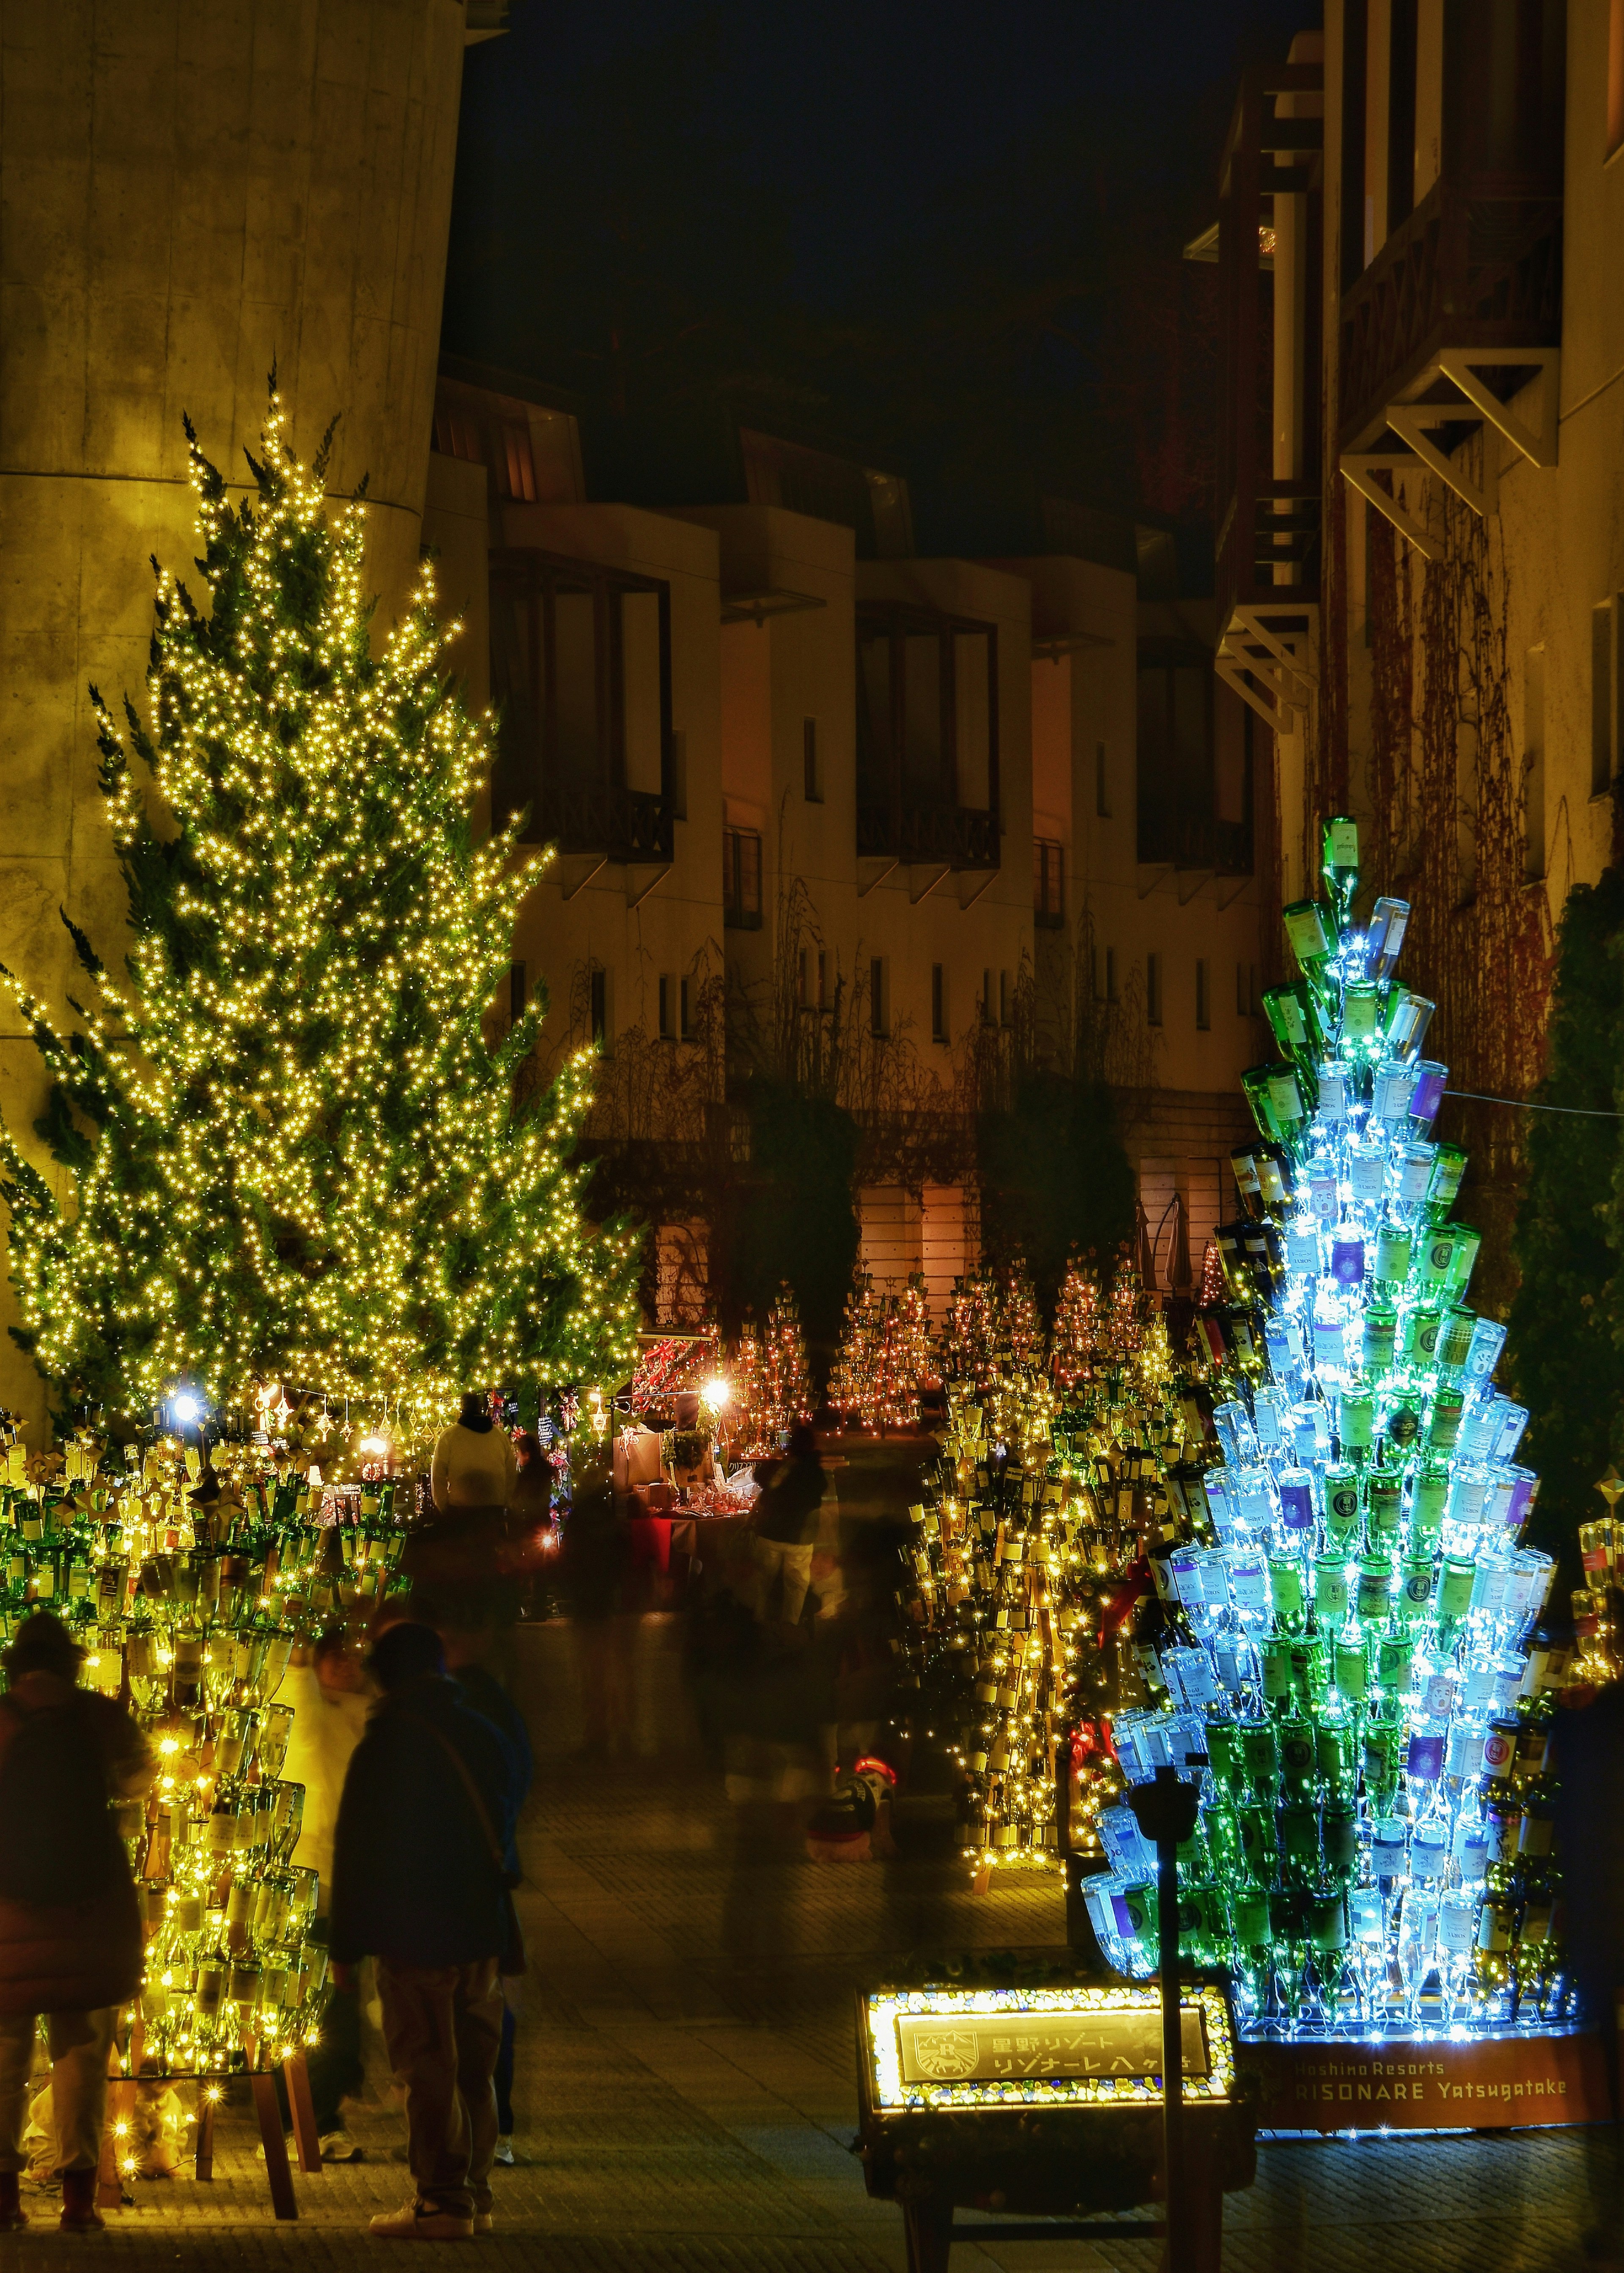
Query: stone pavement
{"x": 686, "y": 2097}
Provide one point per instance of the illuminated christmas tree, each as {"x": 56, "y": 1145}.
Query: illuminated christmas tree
{"x": 854, "y": 1386}
{"x": 1125, "y": 1314}
{"x": 787, "y": 1384}
{"x": 749, "y": 1424}
{"x": 913, "y": 1314}
{"x": 969, "y": 1331}
{"x": 288, "y": 1145}
{"x": 1077, "y": 1326}
{"x": 1020, "y": 1329}
{"x": 1212, "y": 1290}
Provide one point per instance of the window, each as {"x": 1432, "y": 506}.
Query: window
{"x": 987, "y": 997}
{"x": 1153, "y": 990}
{"x": 811, "y": 765}
{"x": 677, "y": 787}
{"x": 741, "y": 879}
{"x": 1534, "y": 765}
{"x": 803, "y": 988}
{"x": 1110, "y": 974}
{"x": 598, "y": 997}
{"x": 1177, "y": 796}
{"x": 1601, "y": 698}
{"x": 685, "y": 1010}
{"x": 1102, "y": 784}
{"x": 1047, "y": 882}
{"x": 581, "y": 676}
{"x": 1615, "y": 75}
{"x": 1203, "y": 997}
{"x": 927, "y": 712}
{"x": 1007, "y": 999}
{"x": 879, "y": 1007}
{"x": 1245, "y": 990}
{"x": 938, "y": 1002}
{"x": 668, "y": 1007}
{"x": 517, "y": 996}
{"x": 502, "y": 443}
{"x": 823, "y": 980}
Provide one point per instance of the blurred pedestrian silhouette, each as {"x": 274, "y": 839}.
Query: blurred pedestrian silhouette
{"x": 330, "y": 1697}
{"x": 70, "y": 1923}
{"x": 594, "y": 1568}
{"x": 420, "y": 1881}
{"x": 1588, "y": 1747}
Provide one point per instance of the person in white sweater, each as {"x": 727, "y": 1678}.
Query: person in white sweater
{"x": 474, "y": 1464}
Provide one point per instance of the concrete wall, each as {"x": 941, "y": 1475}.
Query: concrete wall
{"x": 190, "y": 190}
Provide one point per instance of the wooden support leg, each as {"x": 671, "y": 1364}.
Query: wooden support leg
{"x": 302, "y": 2108}
{"x": 277, "y": 2170}
{"x": 927, "y": 2227}
{"x": 109, "y": 2179}
{"x": 204, "y": 2157}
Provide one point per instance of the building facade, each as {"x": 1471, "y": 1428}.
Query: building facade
{"x": 1423, "y": 436}
{"x": 877, "y": 824}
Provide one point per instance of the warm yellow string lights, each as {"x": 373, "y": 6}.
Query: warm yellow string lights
{"x": 290, "y": 1147}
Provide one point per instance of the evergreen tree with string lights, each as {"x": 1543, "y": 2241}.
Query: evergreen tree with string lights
{"x": 1077, "y": 1325}
{"x": 786, "y": 1381}
{"x": 289, "y": 1146}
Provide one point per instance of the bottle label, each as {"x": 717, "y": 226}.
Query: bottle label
{"x": 1375, "y": 1592}
{"x": 1536, "y": 1834}
{"x": 1537, "y": 1922}
{"x": 1493, "y": 1930}
{"x": 1505, "y": 1825}
{"x": 1498, "y": 1748}
{"x": 1425, "y": 1761}
{"x": 1331, "y": 1591}
{"x": 1387, "y": 1850}
{"x": 1456, "y": 1924}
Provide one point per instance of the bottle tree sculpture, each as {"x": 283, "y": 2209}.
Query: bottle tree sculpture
{"x": 1345, "y": 1638}
{"x": 1053, "y": 1509}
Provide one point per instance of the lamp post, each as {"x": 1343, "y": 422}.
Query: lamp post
{"x": 1166, "y": 1810}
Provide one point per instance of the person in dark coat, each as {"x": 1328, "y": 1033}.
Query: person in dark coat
{"x": 1587, "y": 1748}
{"x": 484, "y": 1693}
{"x": 74, "y": 1955}
{"x": 420, "y": 1882}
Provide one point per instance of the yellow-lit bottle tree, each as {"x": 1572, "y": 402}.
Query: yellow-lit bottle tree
{"x": 1056, "y": 1498}
{"x": 299, "y": 1187}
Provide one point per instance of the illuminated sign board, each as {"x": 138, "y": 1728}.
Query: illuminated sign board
{"x": 1073, "y": 2046}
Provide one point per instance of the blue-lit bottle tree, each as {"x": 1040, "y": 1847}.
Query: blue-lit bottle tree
{"x": 1355, "y": 1653}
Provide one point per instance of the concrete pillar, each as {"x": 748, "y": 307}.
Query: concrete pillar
{"x": 189, "y": 190}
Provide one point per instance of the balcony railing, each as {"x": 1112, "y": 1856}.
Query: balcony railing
{"x": 1273, "y": 526}
{"x": 1194, "y": 842}
{"x": 950, "y": 835}
{"x": 619, "y": 824}
{"x": 1477, "y": 264}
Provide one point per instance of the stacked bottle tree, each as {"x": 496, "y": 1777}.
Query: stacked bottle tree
{"x": 1027, "y": 1556}
{"x": 1349, "y": 1651}
{"x": 190, "y": 1592}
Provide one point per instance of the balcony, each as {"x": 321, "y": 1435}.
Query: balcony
{"x": 1474, "y": 276}
{"x": 603, "y": 822}
{"x": 1268, "y": 459}
{"x": 952, "y": 836}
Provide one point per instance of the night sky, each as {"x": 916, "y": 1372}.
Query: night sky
{"x": 946, "y": 235}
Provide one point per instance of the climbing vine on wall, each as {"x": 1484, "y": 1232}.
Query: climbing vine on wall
{"x": 1446, "y": 793}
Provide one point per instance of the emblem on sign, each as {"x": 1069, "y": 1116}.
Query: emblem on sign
{"x": 946, "y": 2053}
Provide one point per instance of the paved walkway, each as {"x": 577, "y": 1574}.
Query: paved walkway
{"x": 686, "y": 2100}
